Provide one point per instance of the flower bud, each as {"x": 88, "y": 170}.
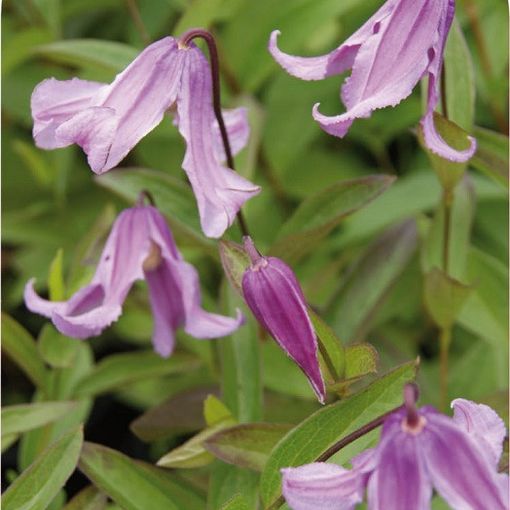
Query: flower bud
{"x": 274, "y": 296}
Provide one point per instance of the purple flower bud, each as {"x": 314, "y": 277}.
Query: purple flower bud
{"x": 277, "y": 301}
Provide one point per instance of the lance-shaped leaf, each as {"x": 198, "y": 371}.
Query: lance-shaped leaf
{"x": 311, "y": 438}
{"x": 121, "y": 369}
{"x": 235, "y": 261}
{"x": 236, "y": 503}
{"x": 36, "y": 487}
{"x": 56, "y": 349}
{"x": 321, "y": 213}
{"x": 247, "y": 445}
{"x": 444, "y": 297}
{"x": 21, "y": 348}
{"x": 133, "y": 484}
{"x": 87, "y": 499}
{"x": 20, "y": 418}
{"x": 491, "y": 156}
{"x": 365, "y": 287}
{"x": 56, "y": 286}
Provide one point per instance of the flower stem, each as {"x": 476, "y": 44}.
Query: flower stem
{"x": 445, "y": 338}
{"x": 186, "y": 38}
{"x": 447, "y": 219}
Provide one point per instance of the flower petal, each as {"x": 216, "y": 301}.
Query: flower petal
{"x": 182, "y": 290}
{"x": 458, "y": 467}
{"x": 219, "y": 191}
{"x": 274, "y": 296}
{"x": 335, "y": 62}
{"x": 400, "y": 480}
{"x": 54, "y": 102}
{"x": 93, "y": 129}
{"x": 432, "y": 138}
{"x": 321, "y": 485}
{"x": 483, "y": 423}
{"x": 388, "y": 64}
{"x": 238, "y": 131}
{"x": 37, "y": 304}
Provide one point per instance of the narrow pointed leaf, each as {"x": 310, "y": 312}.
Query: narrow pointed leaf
{"x": 122, "y": 369}
{"x": 36, "y": 487}
{"x": 321, "y": 213}
{"x": 89, "y": 498}
{"x": 20, "y": 418}
{"x": 311, "y": 438}
{"x": 21, "y": 348}
{"x": 56, "y": 349}
{"x": 360, "y": 359}
{"x": 247, "y": 445}
{"x": 56, "y": 286}
{"x": 133, "y": 484}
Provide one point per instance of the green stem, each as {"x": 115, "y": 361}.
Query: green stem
{"x": 134, "y": 12}
{"x": 445, "y": 338}
{"x": 447, "y": 219}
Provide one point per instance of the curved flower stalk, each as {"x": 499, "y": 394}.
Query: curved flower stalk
{"x": 275, "y": 297}
{"x": 418, "y": 450}
{"x": 107, "y": 121}
{"x": 400, "y": 44}
{"x": 140, "y": 246}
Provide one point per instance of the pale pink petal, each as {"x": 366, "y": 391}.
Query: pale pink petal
{"x": 433, "y": 139}
{"x": 54, "y": 102}
{"x": 219, "y": 191}
{"x": 321, "y": 486}
{"x": 483, "y": 423}
{"x": 238, "y": 131}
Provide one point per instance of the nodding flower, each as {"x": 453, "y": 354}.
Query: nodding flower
{"x": 400, "y": 44}
{"x": 108, "y": 120}
{"x": 140, "y": 247}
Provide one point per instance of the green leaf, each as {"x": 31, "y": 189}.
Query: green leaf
{"x": 311, "y": 438}
{"x": 35, "y": 161}
{"x": 444, "y": 297}
{"x": 56, "y": 286}
{"x": 56, "y": 349}
{"x": 133, "y": 484}
{"x": 36, "y": 487}
{"x": 236, "y": 503}
{"x": 87, "y": 499}
{"x": 215, "y": 411}
{"x": 121, "y": 369}
{"x": 367, "y": 284}
{"x": 172, "y": 196}
{"x": 105, "y": 55}
{"x": 235, "y": 261}
{"x": 360, "y": 359}
{"x": 21, "y": 348}
{"x": 240, "y": 362}
{"x": 8, "y": 441}
{"x": 491, "y": 155}
{"x": 460, "y": 79}
{"x": 322, "y": 212}
{"x": 20, "y": 418}
{"x": 247, "y": 445}
{"x": 330, "y": 347}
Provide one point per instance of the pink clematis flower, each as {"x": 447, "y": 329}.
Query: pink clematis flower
{"x": 457, "y": 456}
{"x": 400, "y": 44}
{"x": 274, "y": 295}
{"x": 107, "y": 121}
{"x": 140, "y": 246}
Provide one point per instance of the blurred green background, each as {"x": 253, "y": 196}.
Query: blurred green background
{"x": 366, "y": 280}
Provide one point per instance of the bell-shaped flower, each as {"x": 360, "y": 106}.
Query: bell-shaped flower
{"x": 108, "y": 120}
{"x": 273, "y": 294}
{"x": 456, "y": 456}
{"x": 140, "y": 246}
{"x": 400, "y": 44}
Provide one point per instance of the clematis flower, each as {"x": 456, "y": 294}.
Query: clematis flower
{"x": 108, "y": 120}
{"x": 273, "y": 294}
{"x": 400, "y": 44}
{"x": 418, "y": 451}
{"x": 140, "y": 246}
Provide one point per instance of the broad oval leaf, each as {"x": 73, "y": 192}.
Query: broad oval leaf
{"x": 247, "y": 445}
{"x": 36, "y": 487}
{"x": 312, "y": 437}
{"x": 20, "y": 418}
{"x": 322, "y": 212}
{"x": 107, "y": 55}
{"x": 133, "y": 484}
{"x": 121, "y": 369}
{"x": 18, "y": 344}
{"x": 172, "y": 196}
